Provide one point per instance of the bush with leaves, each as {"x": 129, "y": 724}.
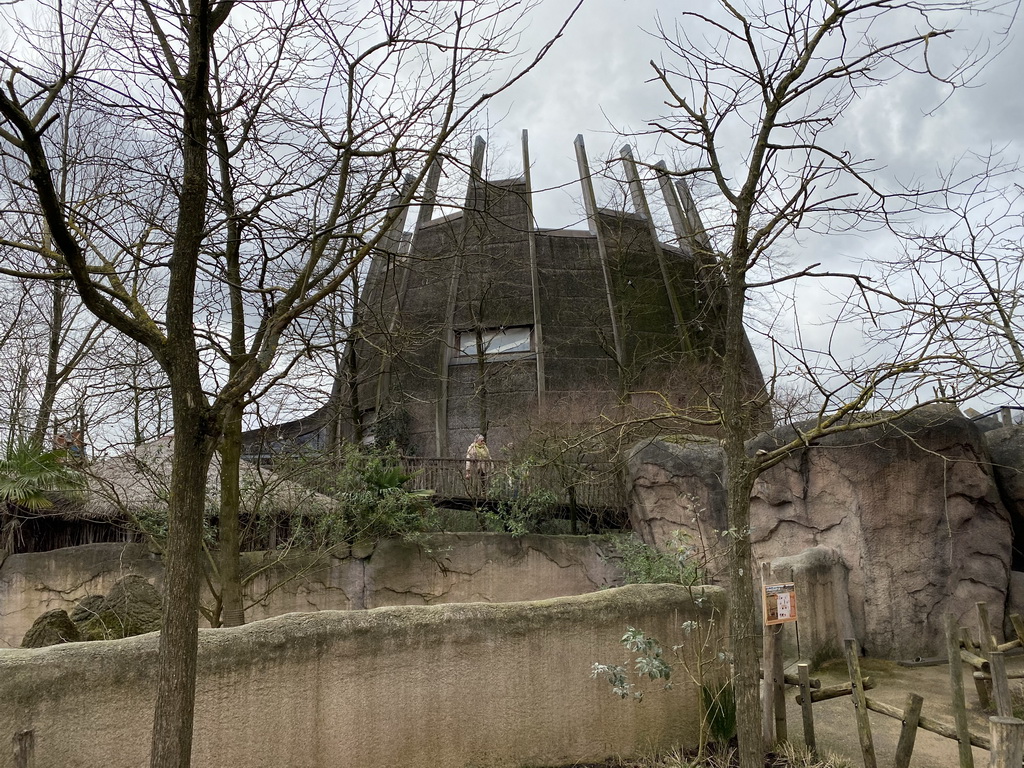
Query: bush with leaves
{"x": 676, "y": 564}
{"x": 708, "y": 671}
{"x": 518, "y": 507}
{"x": 374, "y": 502}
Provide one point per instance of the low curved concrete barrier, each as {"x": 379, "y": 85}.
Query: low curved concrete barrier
{"x": 448, "y": 686}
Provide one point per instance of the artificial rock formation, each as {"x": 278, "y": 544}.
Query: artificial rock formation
{"x": 52, "y": 628}
{"x": 133, "y": 607}
{"x": 911, "y": 508}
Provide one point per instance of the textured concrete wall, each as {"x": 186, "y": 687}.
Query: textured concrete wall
{"x": 444, "y": 568}
{"x": 33, "y": 584}
{"x": 417, "y": 687}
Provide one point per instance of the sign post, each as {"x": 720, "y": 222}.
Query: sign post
{"x": 779, "y": 607}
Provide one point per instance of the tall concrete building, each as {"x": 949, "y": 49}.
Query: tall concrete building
{"x": 481, "y": 322}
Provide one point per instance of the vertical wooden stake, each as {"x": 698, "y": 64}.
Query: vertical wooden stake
{"x": 968, "y": 641}
{"x": 956, "y": 684}
{"x": 1007, "y": 742}
{"x": 860, "y": 705}
{"x": 24, "y": 749}
{"x": 1000, "y": 684}
{"x": 908, "y": 731}
{"x": 1018, "y": 626}
{"x": 773, "y": 687}
{"x": 806, "y": 709}
{"x": 988, "y": 641}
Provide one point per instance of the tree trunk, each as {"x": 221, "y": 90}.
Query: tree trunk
{"x": 738, "y": 413}
{"x": 232, "y": 610}
{"x": 50, "y": 385}
{"x": 742, "y": 624}
{"x": 175, "y": 703}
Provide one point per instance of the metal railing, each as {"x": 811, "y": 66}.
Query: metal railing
{"x": 591, "y": 488}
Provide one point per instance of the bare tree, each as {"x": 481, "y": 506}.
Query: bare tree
{"x": 753, "y": 91}
{"x": 367, "y": 94}
{"x": 963, "y": 279}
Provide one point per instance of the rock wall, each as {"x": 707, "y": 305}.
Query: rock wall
{"x": 442, "y": 568}
{"x": 419, "y": 687}
{"x": 912, "y": 509}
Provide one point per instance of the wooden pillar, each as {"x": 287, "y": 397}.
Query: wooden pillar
{"x": 860, "y": 705}
{"x": 806, "y": 705}
{"x": 1000, "y": 684}
{"x": 538, "y": 331}
{"x": 908, "y": 730}
{"x": 430, "y": 186}
{"x": 956, "y": 684}
{"x": 636, "y": 190}
{"x": 471, "y": 214}
{"x": 590, "y": 203}
{"x": 1007, "y": 742}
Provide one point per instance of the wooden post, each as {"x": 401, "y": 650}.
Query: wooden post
{"x": 1000, "y": 684}
{"x": 968, "y": 640}
{"x": 806, "y": 710}
{"x": 24, "y": 749}
{"x": 860, "y": 706}
{"x": 988, "y": 640}
{"x": 956, "y": 684}
{"x": 1018, "y": 626}
{"x": 1007, "y": 742}
{"x": 773, "y": 691}
{"x": 779, "y": 688}
{"x": 908, "y": 731}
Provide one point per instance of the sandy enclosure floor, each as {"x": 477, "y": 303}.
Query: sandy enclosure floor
{"x": 835, "y": 720}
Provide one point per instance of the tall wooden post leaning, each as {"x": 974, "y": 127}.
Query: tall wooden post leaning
{"x": 860, "y": 705}
{"x": 908, "y": 730}
{"x": 1000, "y": 684}
{"x": 956, "y": 684}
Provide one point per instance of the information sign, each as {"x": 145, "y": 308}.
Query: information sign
{"x": 779, "y": 602}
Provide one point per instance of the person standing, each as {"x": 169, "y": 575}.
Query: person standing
{"x": 478, "y": 460}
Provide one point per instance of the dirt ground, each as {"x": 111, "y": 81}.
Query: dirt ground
{"x": 835, "y": 720}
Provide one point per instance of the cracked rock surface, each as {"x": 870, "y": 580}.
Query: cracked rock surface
{"x": 912, "y": 509}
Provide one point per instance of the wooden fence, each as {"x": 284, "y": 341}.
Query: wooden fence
{"x": 1004, "y": 742}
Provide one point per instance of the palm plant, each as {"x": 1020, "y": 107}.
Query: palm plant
{"x": 31, "y": 481}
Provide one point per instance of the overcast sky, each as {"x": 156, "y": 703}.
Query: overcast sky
{"x": 597, "y": 81}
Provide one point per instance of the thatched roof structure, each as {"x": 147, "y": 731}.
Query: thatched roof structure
{"x": 138, "y": 482}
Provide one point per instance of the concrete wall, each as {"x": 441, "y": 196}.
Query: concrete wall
{"x": 442, "y": 568}
{"x": 431, "y": 687}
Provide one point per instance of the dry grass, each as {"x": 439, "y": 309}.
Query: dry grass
{"x": 788, "y": 756}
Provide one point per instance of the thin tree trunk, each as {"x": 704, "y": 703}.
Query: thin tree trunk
{"x": 232, "y": 611}
{"x": 741, "y": 470}
{"x": 50, "y": 384}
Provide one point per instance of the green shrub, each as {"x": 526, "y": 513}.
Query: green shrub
{"x": 643, "y": 564}
{"x": 518, "y": 508}
{"x": 374, "y": 504}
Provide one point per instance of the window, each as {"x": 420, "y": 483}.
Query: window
{"x": 501, "y": 341}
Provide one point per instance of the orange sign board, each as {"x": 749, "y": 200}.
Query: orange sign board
{"x": 779, "y": 602}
